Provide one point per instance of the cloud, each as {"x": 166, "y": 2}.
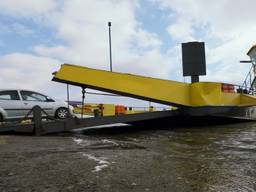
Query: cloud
{"x": 226, "y": 26}
{"x": 181, "y": 30}
{"x": 27, "y": 8}
{"x": 25, "y": 71}
{"x": 85, "y": 34}
{"x": 79, "y": 28}
{"x": 22, "y": 29}
{"x": 223, "y": 16}
{"x": 17, "y": 28}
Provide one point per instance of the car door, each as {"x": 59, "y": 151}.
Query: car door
{"x": 11, "y": 102}
{"x": 31, "y": 99}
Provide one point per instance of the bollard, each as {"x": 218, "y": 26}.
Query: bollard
{"x": 37, "y": 118}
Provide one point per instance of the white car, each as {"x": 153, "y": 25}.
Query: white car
{"x": 17, "y": 103}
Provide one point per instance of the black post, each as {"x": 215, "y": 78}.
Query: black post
{"x": 110, "y": 46}
{"x": 37, "y": 118}
{"x": 194, "y": 78}
{"x": 68, "y": 98}
{"x": 83, "y": 96}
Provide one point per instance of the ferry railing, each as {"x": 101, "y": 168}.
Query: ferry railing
{"x": 250, "y": 78}
{"x": 250, "y": 90}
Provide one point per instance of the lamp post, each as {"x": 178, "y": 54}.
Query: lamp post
{"x": 110, "y": 46}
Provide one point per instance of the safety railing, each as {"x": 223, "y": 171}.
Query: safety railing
{"x": 250, "y": 80}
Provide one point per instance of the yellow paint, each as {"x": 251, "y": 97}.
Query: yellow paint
{"x": 78, "y": 110}
{"x": 230, "y": 99}
{"x": 151, "y": 109}
{"x": 108, "y": 109}
{"x": 88, "y": 108}
{"x": 28, "y": 121}
{"x": 247, "y": 100}
{"x": 173, "y": 108}
{"x": 205, "y": 93}
{"x": 105, "y": 109}
{"x": 161, "y": 91}
{"x": 208, "y": 93}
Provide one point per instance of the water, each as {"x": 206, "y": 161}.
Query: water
{"x": 113, "y": 159}
{"x": 215, "y": 158}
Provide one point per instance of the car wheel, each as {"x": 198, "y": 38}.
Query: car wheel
{"x": 62, "y": 113}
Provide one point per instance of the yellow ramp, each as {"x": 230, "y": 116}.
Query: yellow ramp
{"x": 146, "y": 88}
{"x": 152, "y": 89}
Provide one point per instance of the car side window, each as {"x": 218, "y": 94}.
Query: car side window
{"x": 32, "y": 96}
{"x": 9, "y": 95}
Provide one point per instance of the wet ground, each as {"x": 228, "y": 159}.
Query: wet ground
{"x": 122, "y": 159}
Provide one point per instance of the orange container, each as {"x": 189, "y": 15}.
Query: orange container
{"x": 227, "y": 88}
{"x": 231, "y": 88}
{"x": 119, "y": 109}
{"x": 224, "y": 87}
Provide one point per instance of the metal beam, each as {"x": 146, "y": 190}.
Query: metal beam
{"x": 140, "y": 87}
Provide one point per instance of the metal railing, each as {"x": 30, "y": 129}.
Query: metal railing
{"x": 250, "y": 80}
{"x": 245, "y": 89}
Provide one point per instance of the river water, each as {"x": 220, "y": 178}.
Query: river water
{"x": 215, "y": 158}
{"x": 113, "y": 159}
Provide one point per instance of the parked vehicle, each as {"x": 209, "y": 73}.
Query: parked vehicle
{"x": 17, "y": 103}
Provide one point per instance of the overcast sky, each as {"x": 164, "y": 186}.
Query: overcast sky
{"x": 37, "y": 36}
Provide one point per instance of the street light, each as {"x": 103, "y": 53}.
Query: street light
{"x": 110, "y": 47}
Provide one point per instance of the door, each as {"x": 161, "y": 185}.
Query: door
{"x": 31, "y": 99}
{"x": 11, "y": 103}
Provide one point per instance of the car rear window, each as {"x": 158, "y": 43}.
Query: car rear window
{"x": 9, "y": 95}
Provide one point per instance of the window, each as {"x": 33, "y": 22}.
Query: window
{"x": 32, "y": 96}
{"x": 9, "y": 95}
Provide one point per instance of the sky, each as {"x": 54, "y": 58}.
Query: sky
{"x": 37, "y": 36}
